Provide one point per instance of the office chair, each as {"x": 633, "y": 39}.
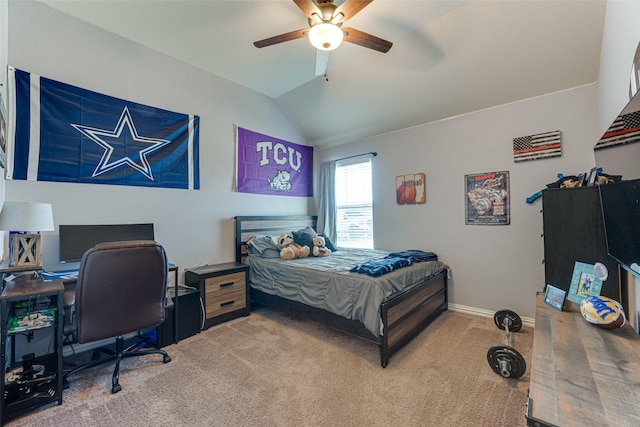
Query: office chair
{"x": 121, "y": 289}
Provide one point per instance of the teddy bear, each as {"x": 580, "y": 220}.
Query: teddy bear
{"x": 319, "y": 248}
{"x": 289, "y": 249}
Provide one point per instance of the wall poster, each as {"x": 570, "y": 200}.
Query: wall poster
{"x": 410, "y": 189}
{"x": 487, "y": 198}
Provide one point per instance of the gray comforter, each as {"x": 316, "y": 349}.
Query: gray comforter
{"x": 326, "y": 282}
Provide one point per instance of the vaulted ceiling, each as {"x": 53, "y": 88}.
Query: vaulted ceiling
{"x": 448, "y": 57}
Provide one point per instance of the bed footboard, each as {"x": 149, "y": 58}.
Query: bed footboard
{"x": 408, "y": 313}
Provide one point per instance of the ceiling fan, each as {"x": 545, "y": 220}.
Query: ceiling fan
{"x": 325, "y": 29}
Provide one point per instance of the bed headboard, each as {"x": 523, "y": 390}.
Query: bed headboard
{"x": 249, "y": 226}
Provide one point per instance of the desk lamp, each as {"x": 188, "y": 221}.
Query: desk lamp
{"x": 24, "y": 221}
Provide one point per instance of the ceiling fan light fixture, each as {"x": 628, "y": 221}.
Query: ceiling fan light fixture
{"x": 325, "y": 36}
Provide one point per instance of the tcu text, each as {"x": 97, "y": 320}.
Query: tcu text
{"x": 279, "y": 154}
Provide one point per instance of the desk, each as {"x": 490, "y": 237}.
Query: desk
{"x": 23, "y": 296}
{"x": 582, "y": 375}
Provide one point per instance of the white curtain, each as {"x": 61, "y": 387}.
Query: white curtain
{"x": 327, "y": 201}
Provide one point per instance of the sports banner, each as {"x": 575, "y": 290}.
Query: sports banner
{"x": 59, "y": 132}
{"x": 267, "y": 165}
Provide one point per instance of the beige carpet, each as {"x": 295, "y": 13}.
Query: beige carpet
{"x": 269, "y": 369}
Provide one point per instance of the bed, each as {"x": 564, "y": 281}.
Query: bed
{"x": 388, "y": 310}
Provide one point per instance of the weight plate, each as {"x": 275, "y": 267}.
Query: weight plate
{"x": 515, "y": 323}
{"x": 506, "y": 361}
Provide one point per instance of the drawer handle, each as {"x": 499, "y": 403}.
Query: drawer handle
{"x": 228, "y": 303}
{"x": 224, "y": 285}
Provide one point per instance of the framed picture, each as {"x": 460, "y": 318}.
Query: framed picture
{"x": 410, "y": 189}
{"x": 593, "y": 176}
{"x": 487, "y": 198}
{"x": 584, "y": 282}
{"x": 555, "y": 297}
{"x": 3, "y": 133}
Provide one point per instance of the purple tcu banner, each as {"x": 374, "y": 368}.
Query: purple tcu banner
{"x": 268, "y": 165}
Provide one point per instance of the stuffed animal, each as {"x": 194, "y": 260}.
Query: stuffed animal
{"x": 319, "y": 248}
{"x": 289, "y": 249}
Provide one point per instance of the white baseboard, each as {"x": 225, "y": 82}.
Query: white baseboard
{"x": 526, "y": 321}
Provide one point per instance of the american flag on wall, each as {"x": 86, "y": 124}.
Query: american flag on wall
{"x": 624, "y": 130}
{"x": 537, "y": 146}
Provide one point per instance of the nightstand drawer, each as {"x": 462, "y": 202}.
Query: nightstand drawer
{"x": 228, "y": 283}
{"x": 225, "y": 303}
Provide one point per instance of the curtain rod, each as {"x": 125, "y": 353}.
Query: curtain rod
{"x": 371, "y": 153}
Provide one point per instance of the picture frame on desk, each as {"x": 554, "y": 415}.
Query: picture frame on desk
{"x": 584, "y": 282}
{"x": 555, "y": 297}
{"x": 593, "y": 176}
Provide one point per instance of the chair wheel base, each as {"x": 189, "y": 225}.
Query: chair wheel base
{"x": 166, "y": 358}
{"x": 116, "y": 388}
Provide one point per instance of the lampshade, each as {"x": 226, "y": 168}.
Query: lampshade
{"x": 325, "y": 36}
{"x": 26, "y": 216}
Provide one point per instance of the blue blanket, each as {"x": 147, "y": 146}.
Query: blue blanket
{"x": 393, "y": 261}
{"x": 415, "y": 255}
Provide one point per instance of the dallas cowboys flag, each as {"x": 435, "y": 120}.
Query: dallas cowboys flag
{"x": 60, "y": 132}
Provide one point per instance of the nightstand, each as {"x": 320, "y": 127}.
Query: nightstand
{"x": 224, "y": 289}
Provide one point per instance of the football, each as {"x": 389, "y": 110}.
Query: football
{"x": 603, "y": 312}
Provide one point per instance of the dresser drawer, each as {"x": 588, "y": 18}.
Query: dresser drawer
{"x": 225, "y": 303}
{"x": 228, "y": 283}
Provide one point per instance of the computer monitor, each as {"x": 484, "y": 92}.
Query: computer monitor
{"x": 620, "y": 203}
{"x": 75, "y": 240}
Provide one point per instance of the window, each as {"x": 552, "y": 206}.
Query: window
{"x": 354, "y": 206}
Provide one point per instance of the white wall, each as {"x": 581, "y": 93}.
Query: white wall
{"x": 619, "y": 41}
{"x": 196, "y": 227}
{"x": 493, "y": 267}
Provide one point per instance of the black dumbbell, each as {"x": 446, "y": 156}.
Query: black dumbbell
{"x": 504, "y": 359}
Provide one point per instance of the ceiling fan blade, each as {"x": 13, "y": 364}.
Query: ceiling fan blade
{"x": 297, "y": 34}
{"x": 322, "y": 61}
{"x": 308, "y": 7}
{"x": 361, "y": 38}
{"x": 351, "y": 7}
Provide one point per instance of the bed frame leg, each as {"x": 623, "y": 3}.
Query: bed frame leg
{"x": 384, "y": 357}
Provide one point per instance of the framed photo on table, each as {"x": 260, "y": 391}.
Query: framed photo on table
{"x": 555, "y": 297}
{"x": 584, "y": 282}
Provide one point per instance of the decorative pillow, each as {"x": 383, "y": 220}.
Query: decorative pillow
{"x": 305, "y": 236}
{"x": 328, "y": 243}
{"x": 263, "y": 246}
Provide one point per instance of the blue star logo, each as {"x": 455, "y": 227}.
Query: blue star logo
{"x": 124, "y": 136}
